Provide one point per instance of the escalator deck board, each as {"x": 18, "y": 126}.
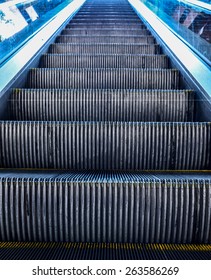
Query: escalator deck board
{"x": 102, "y": 251}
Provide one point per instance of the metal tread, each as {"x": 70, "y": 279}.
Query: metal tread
{"x": 103, "y": 61}
{"x": 113, "y": 209}
{"x": 105, "y": 32}
{"x": 103, "y": 78}
{"x": 105, "y": 25}
{"x": 102, "y": 105}
{"x": 104, "y": 48}
{"x": 105, "y": 39}
{"x": 102, "y": 251}
{"x": 100, "y": 20}
{"x": 105, "y": 145}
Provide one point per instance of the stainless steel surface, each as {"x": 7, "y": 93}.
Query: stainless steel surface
{"x": 103, "y": 78}
{"x": 102, "y": 105}
{"x": 105, "y": 145}
{"x": 102, "y": 251}
{"x": 100, "y": 210}
{"x": 105, "y": 39}
{"x": 110, "y": 48}
{"x": 103, "y": 61}
{"x": 86, "y": 178}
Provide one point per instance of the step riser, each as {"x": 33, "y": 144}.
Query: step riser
{"x": 107, "y": 17}
{"x": 105, "y": 212}
{"x": 105, "y": 48}
{"x": 123, "y": 78}
{"x": 107, "y": 21}
{"x": 106, "y": 14}
{"x": 103, "y": 61}
{"x": 106, "y": 39}
{"x": 101, "y": 105}
{"x": 105, "y": 146}
{"x": 106, "y": 26}
{"x": 105, "y": 32}
{"x": 84, "y": 12}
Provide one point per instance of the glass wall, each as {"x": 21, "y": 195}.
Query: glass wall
{"x": 190, "y": 20}
{"x": 19, "y": 20}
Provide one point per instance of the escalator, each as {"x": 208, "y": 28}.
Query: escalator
{"x": 101, "y": 157}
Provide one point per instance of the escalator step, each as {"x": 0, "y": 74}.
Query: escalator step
{"x": 105, "y": 48}
{"x": 99, "y": 78}
{"x": 106, "y": 25}
{"x": 106, "y": 20}
{"x": 103, "y": 61}
{"x": 107, "y": 16}
{"x": 105, "y": 39}
{"x": 113, "y": 13}
{"x": 102, "y": 251}
{"x": 111, "y": 208}
{"x": 102, "y": 105}
{"x": 105, "y": 145}
{"x": 106, "y": 32}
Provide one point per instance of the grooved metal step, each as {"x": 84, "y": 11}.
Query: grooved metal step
{"x": 106, "y": 15}
{"x": 103, "y": 61}
{"x": 105, "y": 145}
{"x": 115, "y": 11}
{"x": 105, "y": 32}
{"x": 102, "y": 251}
{"x": 105, "y": 39}
{"x": 123, "y": 17}
{"x": 116, "y": 208}
{"x": 99, "y": 78}
{"x": 110, "y": 20}
{"x": 101, "y": 105}
{"x": 105, "y": 25}
{"x": 102, "y": 48}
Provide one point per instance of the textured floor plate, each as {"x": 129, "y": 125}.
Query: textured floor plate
{"x": 102, "y": 251}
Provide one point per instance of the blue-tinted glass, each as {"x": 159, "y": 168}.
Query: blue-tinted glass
{"x": 19, "y": 20}
{"x": 190, "y": 19}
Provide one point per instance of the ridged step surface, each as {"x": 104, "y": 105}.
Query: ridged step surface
{"x": 101, "y": 20}
{"x": 113, "y": 13}
{"x": 105, "y": 25}
{"x": 106, "y": 208}
{"x": 105, "y": 145}
{"x": 105, "y": 39}
{"x": 103, "y": 48}
{"x": 102, "y": 105}
{"x": 97, "y": 17}
{"x": 103, "y": 61}
{"x": 105, "y": 32}
{"x": 102, "y": 251}
{"x": 99, "y": 78}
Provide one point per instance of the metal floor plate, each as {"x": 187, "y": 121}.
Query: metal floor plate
{"x": 102, "y": 251}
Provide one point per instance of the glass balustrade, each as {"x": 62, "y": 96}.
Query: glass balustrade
{"x": 20, "y": 20}
{"x": 189, "y": 19}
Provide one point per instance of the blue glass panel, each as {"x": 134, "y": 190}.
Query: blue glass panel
{"x": 189, "y": 19}
{"x": 19, "y": 20}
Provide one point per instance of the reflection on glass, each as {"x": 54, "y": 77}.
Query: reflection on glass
{"x": 19, "y": 20}
{"x": 189, "y": 19}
